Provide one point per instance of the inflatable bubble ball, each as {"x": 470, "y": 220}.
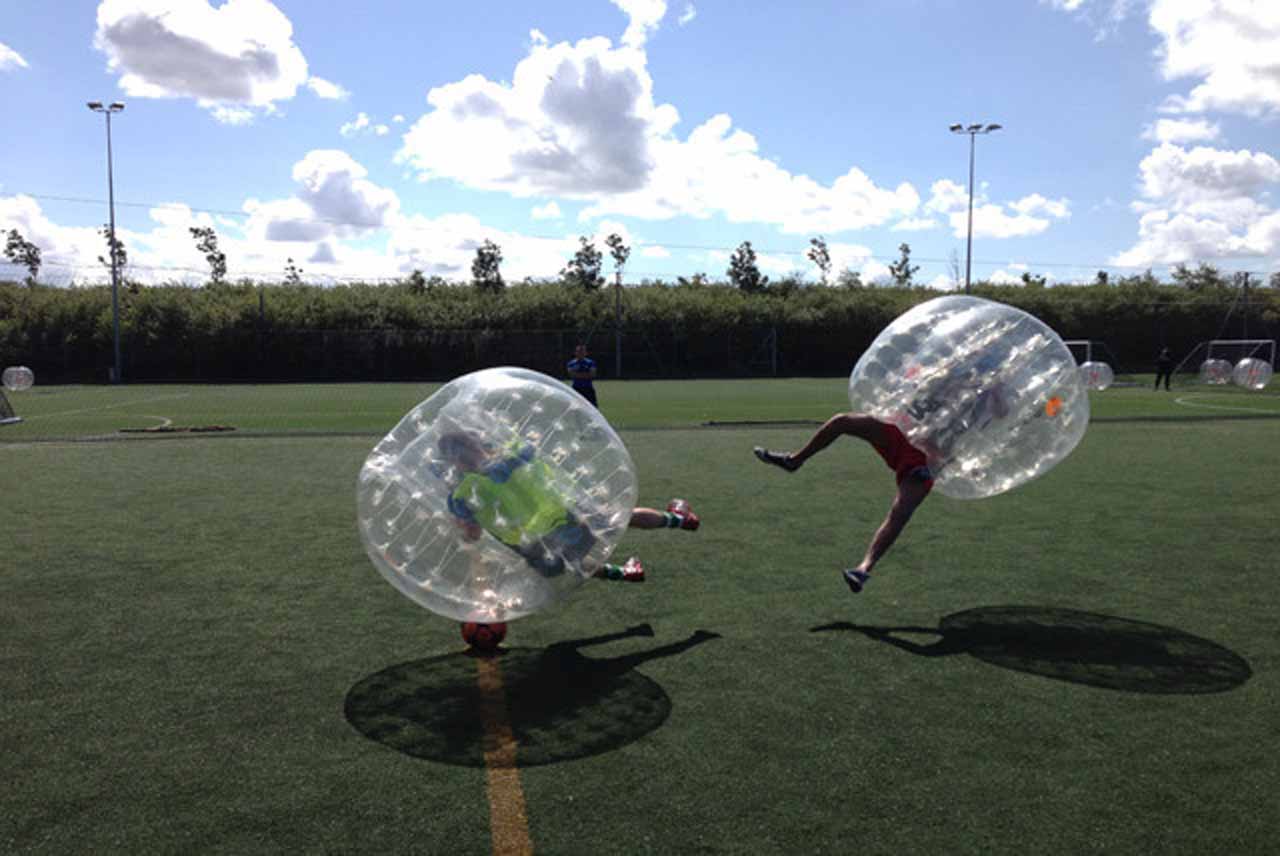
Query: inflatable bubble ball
{"x": 1096, "y": 376}
{"x": 1252, "y": 373}
{"x": 1215, "y": 372}
{"x": 18, "y": 378}
{"x": 495, "y": 497}
{"x": 990, "y": 394}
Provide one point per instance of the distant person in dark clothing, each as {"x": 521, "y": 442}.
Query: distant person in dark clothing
{"x": 1164, "y": 368}
{"x": 582, "y": 369}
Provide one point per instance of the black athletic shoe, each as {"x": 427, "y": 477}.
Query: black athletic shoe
{"x": 778, "y": 459}
{"x": 856, "y": 580}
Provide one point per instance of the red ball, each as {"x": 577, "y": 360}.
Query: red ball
{"x": 484, "y": 637}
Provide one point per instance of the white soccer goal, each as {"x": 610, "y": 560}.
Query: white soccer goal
{"x": 1096, "y": 351}
{"x": 7, "y": 416}
{"x": 1214, "y": 359}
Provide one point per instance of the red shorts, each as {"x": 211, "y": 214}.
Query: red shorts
{"x": 902, "y": 457}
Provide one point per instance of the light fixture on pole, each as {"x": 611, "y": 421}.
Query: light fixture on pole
{"x": 113, "y": 107}
{"x": 972, "y": 131}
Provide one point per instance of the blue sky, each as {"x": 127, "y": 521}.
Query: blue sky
{"x": 365, "y": 144}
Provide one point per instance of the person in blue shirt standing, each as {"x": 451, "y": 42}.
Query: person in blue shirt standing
{"x": 582, "y": 369}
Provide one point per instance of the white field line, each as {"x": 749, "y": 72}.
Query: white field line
{"x": 1185, "y": 401}
{"x": 110, "y": 406}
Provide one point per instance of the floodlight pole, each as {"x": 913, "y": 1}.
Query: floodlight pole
{"x": 114, "y": 107}
{"x": 972, "y": 131}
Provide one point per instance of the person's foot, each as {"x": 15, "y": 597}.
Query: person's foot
{"x": 778, "y": 459}
{"x": 856, "y": 579}
{"x": 632, "y": 571}
{"x": 681, "y": 509}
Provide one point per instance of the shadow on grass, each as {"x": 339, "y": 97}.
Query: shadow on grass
{"x": 560, "y": 705}
{"x": 1080, "y": 647}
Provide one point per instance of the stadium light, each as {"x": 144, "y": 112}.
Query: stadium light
{"x": 973, "y": 131}
{"x": 113, "y": 107}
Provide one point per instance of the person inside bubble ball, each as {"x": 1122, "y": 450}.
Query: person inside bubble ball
{"x": 511, "y": 495}
{"x": 909, "y": 464}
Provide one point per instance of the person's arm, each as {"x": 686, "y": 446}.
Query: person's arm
{"x": 465, "y": 518}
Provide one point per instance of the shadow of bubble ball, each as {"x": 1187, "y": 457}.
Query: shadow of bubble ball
{"x": 989, "y": 393}
{"x": 548, "y": 485}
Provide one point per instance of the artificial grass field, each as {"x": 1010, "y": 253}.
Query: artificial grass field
{"x": 197, "y": 656}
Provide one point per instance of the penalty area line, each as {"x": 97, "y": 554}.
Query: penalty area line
{"x": 508, "y": 821}
{"x": 1186, "y": 401}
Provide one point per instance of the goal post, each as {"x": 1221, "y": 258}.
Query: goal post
{"x": 7, "y": 416}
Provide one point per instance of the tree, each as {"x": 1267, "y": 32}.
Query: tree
{"x": 207, "y": 243}
{"x": 1033, "y": 280}
{"x": 417, "y": 282}
{"x": 1103, "y": 278}
{"x": 1275, "y": 279}
{"x": 902, "y": 270}
{"x": 744, "y": 273}
{"x": 485, "y": 274}
{"x": 819, "y": 255}
{"x": 850, "y": 278}
{"x": 1203, "y": 277}
{"x": 292, "y": 273}
{"x": 620, "y": 252}
{"x": 22, "y": 252}
{"x": 115, "y": 249}
{"x": 583, "y": 269}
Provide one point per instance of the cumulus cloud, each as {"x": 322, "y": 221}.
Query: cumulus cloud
{"x": 237, "y": 56}
{"x": 915, "y": 224}
{"x": 550, "y": 211}
{"x": 362, "y": 124}
{"x": 1181, "y": 131}
{"x": 1203, "y": 203}
{"x": 1230, "y": 46}
{"x": 579, "y": 121}
{"x": 9, "y": 58}
{"x": 327, "y": 89}
{"x": 687, "y": 15}
{"x": 644, "y": 15}
{"x": 1029, "y": 215}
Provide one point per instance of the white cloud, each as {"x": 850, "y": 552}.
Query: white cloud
{"x": 355, "y": 126}
{"x": 579, "y": 121}
{"x": 446, "y": 245}
{"x": 9, "y": 58}
{"x": 1231, "y": 46}
{"x": 397, "y": 119}
{"x": 232, "y": 115}
{"x": 687, "y": 15}
{"x": 550, "y": 211}
{"x": 1029, "y": 215}
{"x": 915, "y": 224}
{"x": 1202, "y": 204}
{"x": 326, "y": 89}
{"x": 655, "y": 251}
{"x": 233, "y": 57}
{"x": 1182, "y": 131}
{"x": 645, "y": 15}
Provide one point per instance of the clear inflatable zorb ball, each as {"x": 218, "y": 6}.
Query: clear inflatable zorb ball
{"x": 496, "y": 497}
{"x": 1252, "y": 373}
{"x": 1096, "y": 376}
{"x": 1215, "y": 372}
{"x": 989, "y": 393}
{"x": 18, "y": 378}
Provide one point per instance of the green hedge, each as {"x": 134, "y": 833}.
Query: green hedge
{"x": 248, "y": 331}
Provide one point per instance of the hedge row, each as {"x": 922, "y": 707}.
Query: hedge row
{"x": 247, "y": 331}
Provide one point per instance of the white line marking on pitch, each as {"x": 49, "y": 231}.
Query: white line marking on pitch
{"x": 110, "y": 406}
{"x": 1186, "y": 402}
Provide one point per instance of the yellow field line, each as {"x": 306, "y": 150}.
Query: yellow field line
{"x": 508, "y": 823}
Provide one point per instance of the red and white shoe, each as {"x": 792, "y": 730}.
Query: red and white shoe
{"x": 681, "y": 508}
{"x": 632, "y": 570}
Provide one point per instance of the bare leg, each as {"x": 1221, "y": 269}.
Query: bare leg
{"x": 854, "y": 424}
{"x": 647, "y": 518}
{"x": 911, "y": 493}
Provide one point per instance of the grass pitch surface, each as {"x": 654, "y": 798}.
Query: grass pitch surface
{"x": 196, "y": 655}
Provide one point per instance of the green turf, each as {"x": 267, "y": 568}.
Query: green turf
{"x": 190, "y": 628}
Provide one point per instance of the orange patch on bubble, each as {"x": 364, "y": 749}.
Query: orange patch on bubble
{"x": 1052, "y": 406}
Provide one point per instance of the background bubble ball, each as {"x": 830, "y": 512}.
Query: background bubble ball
{"x": 1252, "y": 373}
{"x": 1096, "y": 376}
{"x": 988, "y": 392}
{"x": 523, "y": 453}
{"x": 18, "y": 378}
{"x": 1215, "y": 372}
